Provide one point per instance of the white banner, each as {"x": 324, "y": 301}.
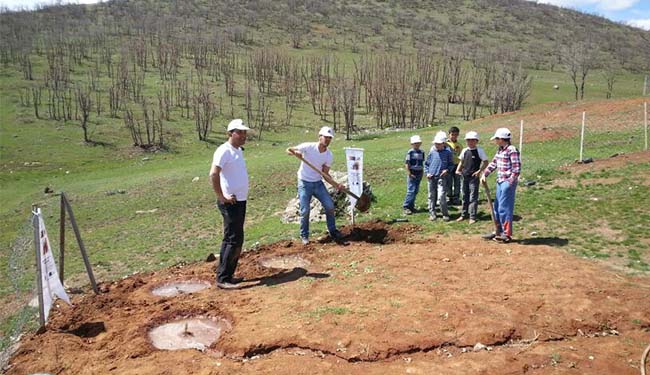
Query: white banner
{"x": 52, "y": 287}
{"x": 354, "y": 158}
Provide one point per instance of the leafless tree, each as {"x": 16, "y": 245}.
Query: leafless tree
{"x": 578, "y": 61}
{"x": 147, "y": 133}
{"x": 36, "y": 99}
{"x": 84, "y": 102}
{"x": 611, "y": 72}
{"x": 204, "y": 112}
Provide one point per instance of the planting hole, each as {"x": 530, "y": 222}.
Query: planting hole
{"x": 287, "y": 262}
{"x": 180, "y": 287}
{"x": 194, "y": 333}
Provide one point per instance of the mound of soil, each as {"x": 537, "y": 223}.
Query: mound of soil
{"x": 613, "y": 162}
{"x": 381, "y": 305}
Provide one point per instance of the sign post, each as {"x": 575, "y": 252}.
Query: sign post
{"x": 582, "y": 135}
{"x": 354, "y": 159}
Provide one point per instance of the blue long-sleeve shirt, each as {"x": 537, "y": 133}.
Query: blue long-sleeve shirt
{"x": 437, "y": 161}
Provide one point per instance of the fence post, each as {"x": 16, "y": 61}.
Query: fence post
{"x": 645, "y": 123}
{"x": 521, "y": 136}
{"x": 582, "y": 135}
{"x": 39, "y": 271}
{"x": 62, "y": 240}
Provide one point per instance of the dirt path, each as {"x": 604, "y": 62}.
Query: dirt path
{"x": 370, "y": 307}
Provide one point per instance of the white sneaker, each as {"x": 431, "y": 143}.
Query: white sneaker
{"x": 304, "y": 240}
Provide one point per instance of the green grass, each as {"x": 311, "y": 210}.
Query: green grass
{"x": 36, "y": 153}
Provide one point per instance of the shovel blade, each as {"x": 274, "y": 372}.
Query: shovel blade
{"x": 363, "y": 203}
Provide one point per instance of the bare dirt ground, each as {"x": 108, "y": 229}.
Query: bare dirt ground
{"x": 616, "y": 161}
{"x": 383, "y": 304}
{"x": 560, "y": 120}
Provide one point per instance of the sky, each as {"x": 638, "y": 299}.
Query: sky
{"x": 631, "y": 12}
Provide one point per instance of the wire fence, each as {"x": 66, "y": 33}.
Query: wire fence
{"x": 545, "y": 145}
{"x": 22, "y": 311}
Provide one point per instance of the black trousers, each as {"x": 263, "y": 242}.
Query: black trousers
{"x": 233, "y": 239}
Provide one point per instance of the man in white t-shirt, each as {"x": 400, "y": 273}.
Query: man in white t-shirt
{"x": 310, "y": 182}
{"x": 230, "y": 183}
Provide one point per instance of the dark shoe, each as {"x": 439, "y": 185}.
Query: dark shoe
{"x": 489, "y": 236}
{"x": 503, "y": 239}
{"x": 227, "y": 285}
{"x": 236, "y": 280}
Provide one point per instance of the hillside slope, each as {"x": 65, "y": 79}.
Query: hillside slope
{"x": 536, "y": 33}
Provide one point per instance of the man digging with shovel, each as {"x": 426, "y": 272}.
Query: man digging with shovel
{"x": 316, "y": 160}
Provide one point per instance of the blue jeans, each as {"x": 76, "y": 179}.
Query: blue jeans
{"x": 412, "y": 189}
{"x": 317, "y": 189}
{"x": 470, "y": 196}
{"x": 504, "y": 206}
{"x": 453, "y": 184}
{"x": 438, "y": 189}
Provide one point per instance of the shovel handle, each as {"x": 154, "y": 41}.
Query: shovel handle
{"x": 489, "y": 199}
{"x": 327, "y": 178}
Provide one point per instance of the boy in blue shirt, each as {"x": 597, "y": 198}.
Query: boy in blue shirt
{"x": 414, "y": 168}
{"x": 437, "y": 166}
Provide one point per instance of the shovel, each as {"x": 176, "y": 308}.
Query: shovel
{"x": 363, "y": 201}
{"x": 489, "y": 199}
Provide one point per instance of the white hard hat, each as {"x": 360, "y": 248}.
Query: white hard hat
{"x": 416, "y": 139}
{"x": 472, "y": 135}
{"x": 326, "y": 131}
{"x": 237, "y": 124}
{"x": 440, "y": 137}
{"x": 503, "y": 133}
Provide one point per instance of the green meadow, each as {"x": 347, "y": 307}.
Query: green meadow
{"x": 140, "y": 211}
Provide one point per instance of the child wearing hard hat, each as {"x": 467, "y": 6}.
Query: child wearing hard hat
{"x": 473, "y": 161}
{"x": 437, "y": 166}
{"x": 507, "y": 163}
{"x": 414, "y": 169}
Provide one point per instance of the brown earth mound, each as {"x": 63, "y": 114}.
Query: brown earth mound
{"x": 552, "y": 121}
{"x": 380, "y": 305}
{"x": 613, "y": 162}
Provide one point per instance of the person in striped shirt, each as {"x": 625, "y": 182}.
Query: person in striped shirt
{"x": 507, "y": 163}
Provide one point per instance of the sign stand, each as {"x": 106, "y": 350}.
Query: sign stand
{"x": 66, "y": 204}
{"x": 41, "y": 244}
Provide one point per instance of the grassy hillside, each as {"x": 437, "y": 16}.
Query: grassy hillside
{"x": 535, "y": 33}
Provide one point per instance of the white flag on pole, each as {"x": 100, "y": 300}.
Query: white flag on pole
{"x": 354, "y": 158}
{"x": 52, "y": 287}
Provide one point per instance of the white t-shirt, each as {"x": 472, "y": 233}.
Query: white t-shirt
{"x": 233, "y": 176}
{"x": 319, "y": 159}
{"x": 481, "y": 153}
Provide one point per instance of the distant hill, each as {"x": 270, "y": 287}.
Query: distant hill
{"x": 534, "y": 33}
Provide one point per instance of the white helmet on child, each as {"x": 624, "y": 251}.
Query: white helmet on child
{"x": 416, "y": 139}
{"x": 440, "y": 137}
{"x": 471, "y": 135}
